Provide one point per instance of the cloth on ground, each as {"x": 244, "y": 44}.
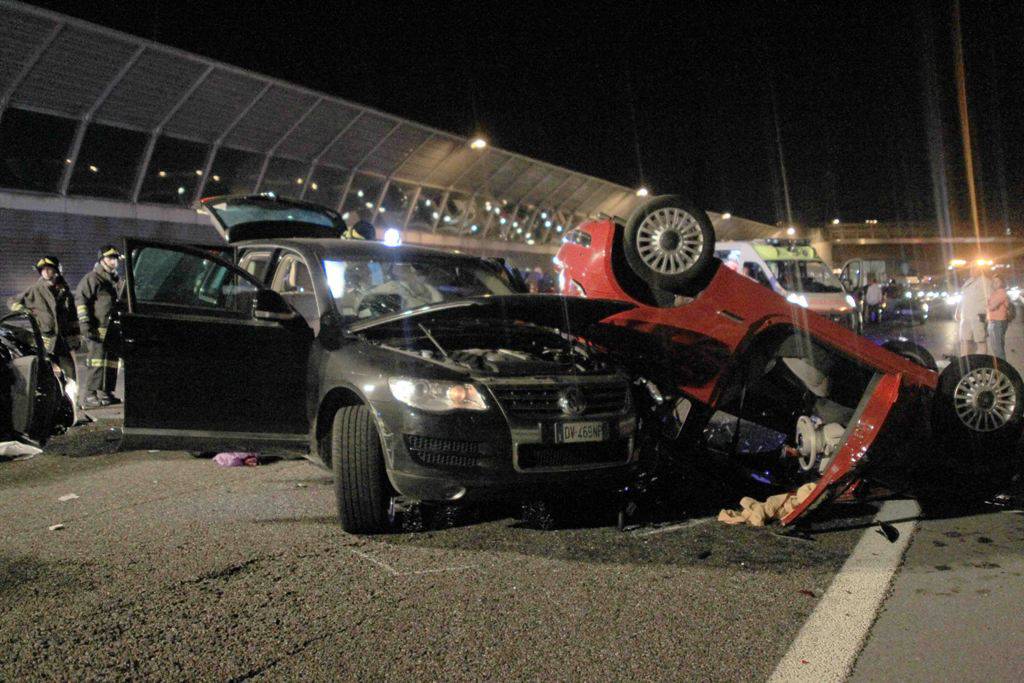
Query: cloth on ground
{"x": 237, "y": 459}
{"x": 756, "y": 513}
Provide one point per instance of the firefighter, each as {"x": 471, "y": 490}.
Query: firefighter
{"x": 96, "y": 297}
{"x": 52, "y": 304}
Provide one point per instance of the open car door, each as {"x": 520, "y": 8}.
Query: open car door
{"x": 212, "y": 360}
{"x": 863, "y": 432}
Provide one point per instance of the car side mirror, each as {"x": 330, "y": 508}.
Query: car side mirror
{"x": 269, "y": 305}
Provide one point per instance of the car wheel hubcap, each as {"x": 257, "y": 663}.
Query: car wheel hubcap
{"x": 669, "y": 241}
{"x": 985, "y": 399}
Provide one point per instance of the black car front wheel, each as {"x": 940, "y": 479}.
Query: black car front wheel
{"x": 670, "y": 244}
{"x": 360, "y": 482}
{"x": 979, "y": 409}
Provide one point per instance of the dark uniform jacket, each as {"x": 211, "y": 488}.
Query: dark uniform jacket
{"x": 53, "y": 307}
{"x": 96, "y": 297}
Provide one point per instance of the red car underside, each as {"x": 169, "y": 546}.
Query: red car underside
{"x": 726, "y": 319}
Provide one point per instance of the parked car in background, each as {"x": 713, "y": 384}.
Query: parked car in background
{"x": 825, "y": 404}
{"x": 412, "y": 374}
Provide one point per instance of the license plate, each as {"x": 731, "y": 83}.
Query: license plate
{"x": 581, "y": 432}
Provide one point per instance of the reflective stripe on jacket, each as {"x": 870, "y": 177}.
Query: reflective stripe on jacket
{"x": 53, "y": 307}
{"x": 96, "y": 298}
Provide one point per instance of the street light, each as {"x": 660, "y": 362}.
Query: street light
{"x": 835, "y": 221}
{"x": 478, "y": 143}
{"x": 726, "y": 216}
{"x": 642, "y": 192}
{"x": 791, "y": 231}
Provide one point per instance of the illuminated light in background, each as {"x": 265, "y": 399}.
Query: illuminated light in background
{"x": 93, "y": 169}
{"x": 392, "y": 237}
{"x": 426, "y": 203}
{"x": 216, "y": 179}
{"x": 560, "y": 228}
{"x": 435, "y": 215}
{"x": 547, "y": 224}
{"x": 199, "y": 171}
{"x": 478, "y": 143}
{"x": 181, "y": 189}
{"x": 382, "y": 210}
{"x": 726, "y": 216}
{"x": 344, "y": 216}
{"x": 298, "y": 181}
{"x": 369, "y": 205}
{"x": 642, "y": 192}
{"x": 543, "y": 214}
{"x": 314, "y": 187}
{"x": 474, "y": 228}
{"x": 798, "y": 299}
{"x": 835, "y": 221}
{"x": 791, "y": 231}
{"x": 502, "y": 221}
{"x": 359, "y": 193}
{"x": 162, "y": 174}
{"x": 496, "y": 211}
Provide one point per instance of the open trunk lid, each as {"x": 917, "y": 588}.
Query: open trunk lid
{"x": 267, "y": 216}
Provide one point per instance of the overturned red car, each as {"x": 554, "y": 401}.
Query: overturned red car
{"x": 790, "y": 397}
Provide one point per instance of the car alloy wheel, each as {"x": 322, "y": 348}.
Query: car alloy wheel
{"x": 670, "y": 241}
{"x": 985, "y": 399}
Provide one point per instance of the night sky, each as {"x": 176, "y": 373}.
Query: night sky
{"x": 678, "y": 96}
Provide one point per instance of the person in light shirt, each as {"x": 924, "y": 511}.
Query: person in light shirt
{"x": 972, "y": 312}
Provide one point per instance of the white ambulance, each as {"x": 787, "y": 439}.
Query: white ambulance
{"x": 793, "y": 269}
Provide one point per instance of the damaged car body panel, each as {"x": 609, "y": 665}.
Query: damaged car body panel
{"x": 736, "y": 359}
{"x": 33, "y": 403}
{"x": 415, "y": 375}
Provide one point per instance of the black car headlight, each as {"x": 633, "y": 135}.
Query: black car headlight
{"x": 436, "y": 396}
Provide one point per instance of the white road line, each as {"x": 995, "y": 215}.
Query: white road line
{"x": 675, "y": 527}
{"x": 827, "y": 646}
{"x": 386, "y": 567}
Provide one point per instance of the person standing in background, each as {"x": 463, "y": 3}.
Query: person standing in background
{"x": 998, "y": 317}
{"x": 52, "y": 304}
{"x": 873, "y": 300}
{"x": 971, "y": 313}
{"x": 96, "y": 297}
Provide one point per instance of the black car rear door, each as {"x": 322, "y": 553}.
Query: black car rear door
{"x": 204, "y": 368}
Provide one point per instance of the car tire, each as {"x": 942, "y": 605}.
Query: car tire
{"x": 915, "y": 353}
{"x": 360, "y": 482}
{"x": 978, "y": 410}
{"x": 670, "y": 243}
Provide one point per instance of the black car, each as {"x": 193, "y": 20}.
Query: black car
{"x": 33, "y": 402}
{"x": 414, "y": 374}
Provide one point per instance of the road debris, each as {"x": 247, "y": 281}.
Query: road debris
{"x": 237, "y": 459}
{"x": 68, "y": 496}
{"x": 56, "y": 527}
{"x": 17, "y": 448}
{"x": 756, "y": 513}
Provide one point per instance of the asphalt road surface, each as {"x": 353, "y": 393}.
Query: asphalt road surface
{"x": 169, "y": 566}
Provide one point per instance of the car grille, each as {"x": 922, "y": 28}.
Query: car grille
{"x": 428, "y": 450}
{"x": 541, "y": 400}
{"x": 544, "y": 456}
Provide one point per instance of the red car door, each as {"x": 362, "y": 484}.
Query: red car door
{"x": 861, "y": 435}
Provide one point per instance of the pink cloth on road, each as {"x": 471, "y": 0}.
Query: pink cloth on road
{"x": 237, "y": 459}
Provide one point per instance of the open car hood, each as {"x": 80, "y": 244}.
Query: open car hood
{"x": 266, "y": 216}
{"x": 569, "y": 314}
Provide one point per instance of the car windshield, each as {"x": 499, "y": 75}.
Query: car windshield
{"x": 813, "y": 277}
{"x": 366, "y": 288}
